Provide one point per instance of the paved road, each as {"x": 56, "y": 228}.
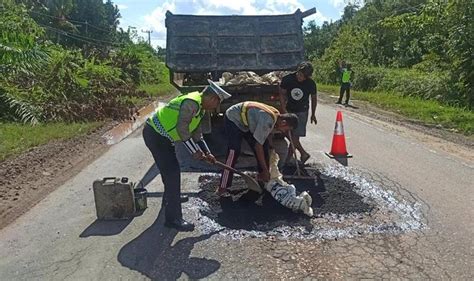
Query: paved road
{"x": 59, "y": 238}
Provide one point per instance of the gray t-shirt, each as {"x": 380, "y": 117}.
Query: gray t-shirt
{"x": 260, "y": 122}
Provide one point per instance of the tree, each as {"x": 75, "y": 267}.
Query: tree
{"x": 349, "y": 12}
{"x": 460, "y": 15}
{"x": 19, "y": 53}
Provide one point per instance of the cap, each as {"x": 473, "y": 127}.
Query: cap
{"x": 218, "y": 90}
{"x": 306, "y": 68}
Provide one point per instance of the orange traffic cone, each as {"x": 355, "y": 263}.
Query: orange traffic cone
{"x": 338, "y": 148}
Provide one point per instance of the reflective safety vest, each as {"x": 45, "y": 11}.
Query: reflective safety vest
{"x": 346, "y": 76}
{"x": 252, "y": 104}
{"x": 168, "y": 116}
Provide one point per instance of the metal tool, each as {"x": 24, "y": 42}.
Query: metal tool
{"x": 252, "y": 184}
{"x": 298, "y": 170}
{"x": 294, "y": 153}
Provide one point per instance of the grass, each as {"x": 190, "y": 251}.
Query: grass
{"x": 156, "y": 90}
{"x": 16, "y": 138}
{"x": 429, "y": 112}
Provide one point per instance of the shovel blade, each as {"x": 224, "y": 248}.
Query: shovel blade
{"x": 252, "y": 184}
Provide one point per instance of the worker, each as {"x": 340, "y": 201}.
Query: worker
{"x": 254, "y": 122}
{"x": 295, "y": 90}
{"x": 347, "y": 76}
{"x": 179, "y": 121}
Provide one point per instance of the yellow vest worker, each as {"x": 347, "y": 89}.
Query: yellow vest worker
{"x": 254, "y": 122}
{"x": 179, "y": 121}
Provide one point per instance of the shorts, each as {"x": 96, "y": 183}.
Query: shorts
{"x": 300, "y": 131}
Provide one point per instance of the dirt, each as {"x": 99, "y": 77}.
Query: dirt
{"x": 27, "y": 179}
{"x": 330, "y": 195}
{"x": 30, "y": 177}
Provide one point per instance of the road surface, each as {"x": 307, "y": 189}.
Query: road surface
{"x": 59, "y": 239}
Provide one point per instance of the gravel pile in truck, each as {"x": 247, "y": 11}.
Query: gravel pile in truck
{"x": 252, "y": 78}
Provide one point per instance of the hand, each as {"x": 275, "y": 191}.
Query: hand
{"x": 264, "y": 176}
{"x": 314, "y": 120}
{"x": 210, "y": 158}
{"x": 198, "y": 155}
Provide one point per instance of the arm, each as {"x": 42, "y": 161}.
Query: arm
{"x": 265, "y": 174}
{"x": 283, "y": 100}
{"x": 314, "y": 104}
{"x": 186, "y": 113}
{"x": 270, "y": 140}
{"x": 199, "y": 140}
{"x": 283, "y": 91}
{"x": 262, "y": 133}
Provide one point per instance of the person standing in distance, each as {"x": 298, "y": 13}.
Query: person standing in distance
{"x": 295, "y": 90}
{"x": 347, "y": 76}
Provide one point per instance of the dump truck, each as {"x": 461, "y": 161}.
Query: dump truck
{"x": 205, "y": 47}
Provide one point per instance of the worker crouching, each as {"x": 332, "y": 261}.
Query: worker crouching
{"x": 254, "y": 122}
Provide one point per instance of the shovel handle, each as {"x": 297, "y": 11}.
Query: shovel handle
{"x": 294, "y": 153}
{"x": 224, "y": 166}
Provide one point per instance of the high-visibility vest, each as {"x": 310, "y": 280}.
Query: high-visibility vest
{"x": 168, "y": 115}
{"x": 252, "y": 104}
{"x": 346, "y": 75}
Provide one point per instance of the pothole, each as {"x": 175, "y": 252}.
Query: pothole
{"x": 345, "y": 204}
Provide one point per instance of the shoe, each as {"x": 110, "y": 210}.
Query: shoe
{"x": 180, "y": 225}
{"x": 184, "y": 198}
{"x": 304, "y": 158}
{"x": 338, "y": 102}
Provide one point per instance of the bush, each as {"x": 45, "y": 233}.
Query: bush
{"x": 409, "y": 82}
{"x": 415, "y": 83}
{"x": 368, "y": 78}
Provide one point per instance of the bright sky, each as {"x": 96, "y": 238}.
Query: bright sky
{"x": 150, "y": 15}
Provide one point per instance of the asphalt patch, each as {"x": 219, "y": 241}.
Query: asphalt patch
{"x": 330, "y": 195}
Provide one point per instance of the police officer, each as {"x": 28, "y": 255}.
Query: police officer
{"x": 179, "y": 121}
{"x": 347, "y": 75}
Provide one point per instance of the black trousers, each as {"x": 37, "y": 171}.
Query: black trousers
{"x": 234, "y": 141}
{"x": 345, "y": 87}
{"x": 164, "y": 154}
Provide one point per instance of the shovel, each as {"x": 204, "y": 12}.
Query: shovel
{"x": 252, "y": 184}
{"x": 298, "y": 169}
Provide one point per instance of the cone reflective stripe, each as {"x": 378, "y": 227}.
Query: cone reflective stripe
{"x": 339, "y": 129}
{"x": 338, "y": 147}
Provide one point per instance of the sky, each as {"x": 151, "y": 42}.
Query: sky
{"x": 150, "y": 15}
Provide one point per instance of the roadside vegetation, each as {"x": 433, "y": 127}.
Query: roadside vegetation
{"x": 428, "y": 112}
{"x": 66, "y": 63}
{"x": 17, "y": 138}
{"x": 66, "y": 67}
{"x": 419, "y": 50}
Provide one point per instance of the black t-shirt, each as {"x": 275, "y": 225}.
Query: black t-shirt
{"x": 298, "y": 92}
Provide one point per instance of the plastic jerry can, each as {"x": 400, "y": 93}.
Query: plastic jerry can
{"x": 114, "y": 198}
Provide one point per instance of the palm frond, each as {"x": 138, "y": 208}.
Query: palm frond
{"x": 18, "y": 109}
